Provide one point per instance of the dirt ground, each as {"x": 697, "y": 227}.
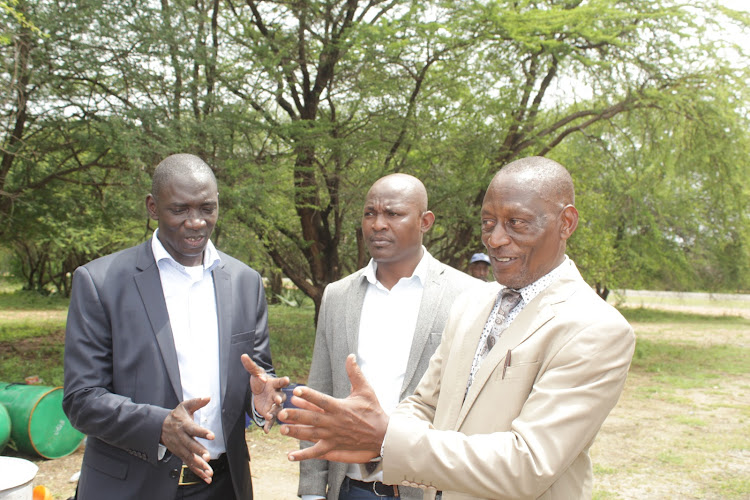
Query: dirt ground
{"x": 640, "y": 452}
{"x": 274, "y": 477}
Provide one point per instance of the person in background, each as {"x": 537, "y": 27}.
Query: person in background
{"x": 479, "y": 266}
{"x": 525, "y": 375}
{"x": 391, "y": 314}
{"x": 157, "y": 371}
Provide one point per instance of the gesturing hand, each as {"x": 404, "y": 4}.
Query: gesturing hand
{"x": 267, "y": 394}
{"x": 343, "y": 430}
{"x": 178, "y": 433}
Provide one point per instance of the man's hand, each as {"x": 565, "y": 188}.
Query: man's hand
{"x": 344, "y": 430}
{"x": 267, "y": 394}
{"x": 178, "y": 433}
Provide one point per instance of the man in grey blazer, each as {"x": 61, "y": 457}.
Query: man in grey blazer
{"x": 153, "y": 348}
{"x": 390, "y": 313}
{"x": 526, "y": 372}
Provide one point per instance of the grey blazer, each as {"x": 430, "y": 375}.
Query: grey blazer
{"x": 122, "y": 376}
{"x": 336, "y": 337}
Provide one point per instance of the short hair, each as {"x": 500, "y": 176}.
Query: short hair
{"x": 178, "y": 165}
{"x": 549, "y": 178}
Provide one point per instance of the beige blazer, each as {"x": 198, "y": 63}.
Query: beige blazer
{"x": 528, "y": 421}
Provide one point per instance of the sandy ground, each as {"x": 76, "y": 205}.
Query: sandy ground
{"x": 274, "y": 477}
{"x": 639, "y": 453}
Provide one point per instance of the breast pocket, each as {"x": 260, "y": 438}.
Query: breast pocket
{"x": 519, "y": 371}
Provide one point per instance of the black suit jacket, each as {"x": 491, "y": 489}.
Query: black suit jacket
{"x": 122, "y": 376}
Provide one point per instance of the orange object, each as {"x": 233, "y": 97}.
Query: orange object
{"x": 41, "y": 493}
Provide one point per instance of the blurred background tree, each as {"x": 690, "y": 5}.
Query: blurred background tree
{"x": 299, "y": 107}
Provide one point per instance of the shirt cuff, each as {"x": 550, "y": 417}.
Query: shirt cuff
{"x": 313, "y": 497}
{"x": 257, "y": 417}
{"x": 161, "y": 452}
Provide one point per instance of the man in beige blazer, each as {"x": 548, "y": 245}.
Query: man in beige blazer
{"x": 514, "y": 422}
{"x": 391, "y": 313}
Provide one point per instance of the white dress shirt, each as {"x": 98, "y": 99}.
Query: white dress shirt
{"x": 191, "y": 304}
{"x": 386, "y": 331}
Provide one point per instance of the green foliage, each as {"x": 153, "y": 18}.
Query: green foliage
{"x": 292, "y": 339}
{"x": 300, "y": 107}
{"x": 8, "y": 9}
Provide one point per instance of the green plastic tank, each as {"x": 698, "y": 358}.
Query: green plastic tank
{"x": 4, "y": 427}
{"x": 38, "y": 424}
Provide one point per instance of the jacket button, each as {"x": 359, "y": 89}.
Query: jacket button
{"x": 174, "y": 473}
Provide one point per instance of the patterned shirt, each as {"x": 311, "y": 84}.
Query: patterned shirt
{"x": 528, "y": 293}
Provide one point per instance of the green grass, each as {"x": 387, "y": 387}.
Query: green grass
{"x": 684, "y": 365}
{"x": 292, "y": 339}
{"x": 29, "y": 300}
{"x": 35, "y": 347}
{"x": 723, "y": 300}
{"x": 647, "y": 315}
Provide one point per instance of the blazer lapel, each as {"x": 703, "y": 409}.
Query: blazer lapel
{"x": 432, "y": 294}
{"x": 353, "y": 312}
{"x": 224, "y": 308}
{"x": 149, "y": 287}
{"x": 463, "y": 348}
{"x": 533, "y": 316}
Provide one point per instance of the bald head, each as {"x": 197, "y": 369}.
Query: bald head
{"x": 550, "y": 180}
{"x": 179, "y": 166}
{"x": 527, "y": 218}
{"x": 394, "y": 219}
{"x": 407, "y": 187}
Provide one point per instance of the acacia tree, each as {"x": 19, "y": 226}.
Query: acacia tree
{"x": 300, "y": 106}
{"x": 336, "y": 85}
{"x": 538, "y": 73}
{"x": 62, "y": 178}
{"x": 666, "y": 206}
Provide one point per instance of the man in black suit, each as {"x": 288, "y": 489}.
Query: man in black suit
{"x": 156, "y": 340}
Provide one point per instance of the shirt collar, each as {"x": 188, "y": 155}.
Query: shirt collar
{"x": 532, "y": 290}
{"x": 211, "y": 257}
{"x": 420, "y": 271}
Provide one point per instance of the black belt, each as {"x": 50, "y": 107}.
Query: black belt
{"x": 188, "y": 477}
{"x": 380, "y": 489}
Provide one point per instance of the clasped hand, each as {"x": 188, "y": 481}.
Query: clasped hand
{"x": 179, "y": 430}
{"x": 347, "y": 430}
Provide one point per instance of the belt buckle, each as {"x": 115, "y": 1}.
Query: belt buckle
{"x": 374, "y": 490}
{"x": 182, "y": 481}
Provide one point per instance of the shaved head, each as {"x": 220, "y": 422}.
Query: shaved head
{"x": 179, "y": 165}
{"x": 394, "y": 219}
{"x": 527, "y": 217}
{"x": 409, "y": 188}
{"x": 550, "y": 180}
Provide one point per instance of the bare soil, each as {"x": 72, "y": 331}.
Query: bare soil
{"x": 274, "y": 477}
{"x": 691, "y": 443}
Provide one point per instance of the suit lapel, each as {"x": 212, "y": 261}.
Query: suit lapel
{"x": 533, "y": 316}
{"x": 431, "y": 297}
{"x": 353, "y": 312}
{"x": 149, "y": 287}
{"x": 224, "y": 308}
{"x": 462, "y": 348}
